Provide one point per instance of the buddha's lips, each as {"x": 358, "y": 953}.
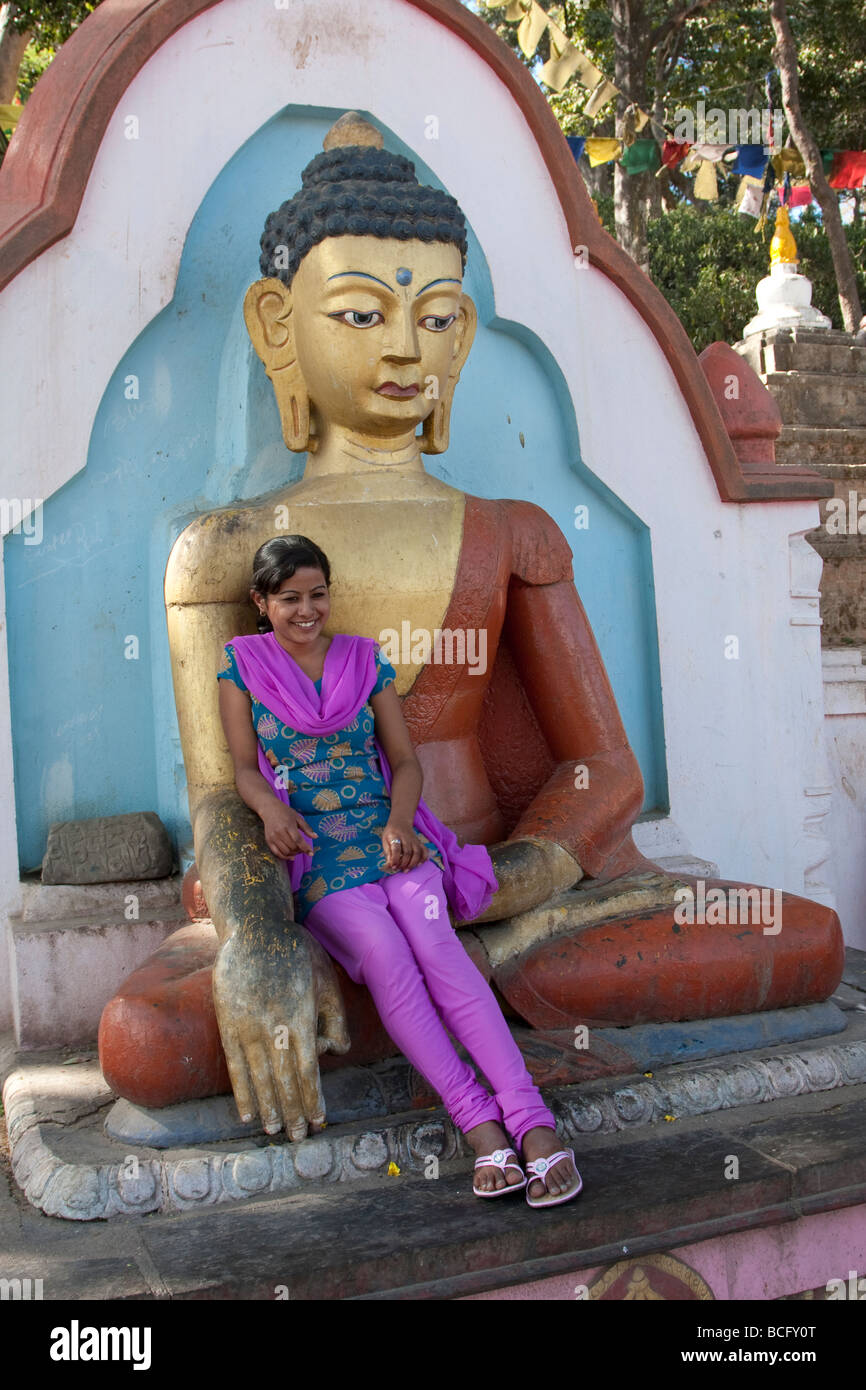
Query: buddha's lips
{"x": 391, "y": 388}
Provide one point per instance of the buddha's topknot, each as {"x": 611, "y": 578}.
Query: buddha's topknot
{"x": 357, "y": 188}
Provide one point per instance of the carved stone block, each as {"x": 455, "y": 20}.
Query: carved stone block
{"x": 108, "y": 849}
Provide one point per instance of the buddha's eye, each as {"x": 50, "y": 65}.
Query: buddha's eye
{"x": 437, "y": 324}
{"x": 359, "y": 318}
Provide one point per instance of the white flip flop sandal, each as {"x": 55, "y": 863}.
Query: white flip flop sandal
{"x": 499, "y": 1159}
{"x": 538, "y": 1167}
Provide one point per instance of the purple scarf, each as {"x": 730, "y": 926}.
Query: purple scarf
{"x": 276, "y": 680}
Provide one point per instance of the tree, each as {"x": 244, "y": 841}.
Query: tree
{"x": 668, "y": 54}
{"x": 662, "y": 55}
{"x": 13, "y": 42}
{"x": 831, "y": 39}
{"x": 707, "y": 267}
{"x": 785, "y": 56}
{"x": 45, "y": 25}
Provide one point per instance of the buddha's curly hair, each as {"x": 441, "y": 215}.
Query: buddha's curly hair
{"x": 357, "y": 190}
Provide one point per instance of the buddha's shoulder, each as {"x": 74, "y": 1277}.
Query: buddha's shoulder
{"x": 212, "y": 557}
{"x": 540, "y": 553}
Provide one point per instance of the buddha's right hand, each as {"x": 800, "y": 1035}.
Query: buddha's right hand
{"x": 278, "y": 1003}
{"x": 278, "y": 1006}
{"x": 529, "y": 871}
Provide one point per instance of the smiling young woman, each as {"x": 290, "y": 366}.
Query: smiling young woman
{"x": 323, "y": 755}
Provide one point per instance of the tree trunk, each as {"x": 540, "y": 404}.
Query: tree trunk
{"x": 785, "y": 58}
{"x": 12, "y": 46}
{"x": 599, "y": 180}
{"x": 673, "y": 179}
{"x": 655, "y": 205}
{"x": 632, "y": 193}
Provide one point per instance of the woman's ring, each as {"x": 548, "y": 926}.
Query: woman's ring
{"x": 396, "y": 842}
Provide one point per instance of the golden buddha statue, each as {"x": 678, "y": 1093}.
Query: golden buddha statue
{"x": 363, "y": 329}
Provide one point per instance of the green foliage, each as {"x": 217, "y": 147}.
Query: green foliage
{"x": 831, "y": 42}
{"x": 816, "y": 261}
{"x": 605, "y": 212}
{"x": 707, "y": 259}
{"x": 707, "y": 268}
{"x": 33, "y": 64}
{"x": 51, "y": 25}
{"x": 721, "y": 56}
{"x": 52, "y": 21}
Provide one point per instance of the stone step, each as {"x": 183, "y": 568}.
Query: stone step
{"x": 659, "y": 1210}
{"x": 836, "y": 452}
{"x": 789, "y": 349}
{"x": 69, "y": 1166}
{"x": 819, "y": 398}
{"x": 844, "y": 547}
{"x": 412, "y": 1237}
{"x": 73, "y": 945}
{"x": 844, "y": 676}
{"x": 843, "y": 593}
{"x": 815, "y": 356}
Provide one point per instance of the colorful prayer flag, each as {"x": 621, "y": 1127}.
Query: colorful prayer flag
{"x": 600, "y": 97}
{"x": 848, "y": 169}
{"x": 706, "y": 183}
{"x": 602, "y": 149}
{"x": 750, "y": 196}
{"x": 531, "y": 28}
{"x": 751, "y": 160}
{"x": 641, "y": 157}
{"x": 673, "y": 151}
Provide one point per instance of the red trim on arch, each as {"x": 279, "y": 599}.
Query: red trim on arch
{"x": 45, "y": 173}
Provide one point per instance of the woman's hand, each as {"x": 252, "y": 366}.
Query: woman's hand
{"x": 405, "y": 854}
{"x": 406, "y": 781}
{"x": 284, "y": 831}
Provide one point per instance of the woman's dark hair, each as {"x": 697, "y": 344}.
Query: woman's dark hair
{"x": 363, "y": 191}
{"x": 276, "y": 561}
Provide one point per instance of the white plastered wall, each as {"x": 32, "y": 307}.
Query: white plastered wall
{"x": 744, "y": 742}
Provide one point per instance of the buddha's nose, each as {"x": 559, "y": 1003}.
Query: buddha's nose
{"x": 401, "y": 342}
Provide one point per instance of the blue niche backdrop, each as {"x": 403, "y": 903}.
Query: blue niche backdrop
{"x": 188, "y": 423}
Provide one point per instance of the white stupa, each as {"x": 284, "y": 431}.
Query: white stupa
{"x": 784, "y": 296}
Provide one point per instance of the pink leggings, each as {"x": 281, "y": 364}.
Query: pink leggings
{"x": 395, "y": 937}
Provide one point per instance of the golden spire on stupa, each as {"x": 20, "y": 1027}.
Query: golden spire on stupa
{"x": 783, "y": 247}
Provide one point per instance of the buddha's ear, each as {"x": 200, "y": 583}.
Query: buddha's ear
{"x": 268, "y": 317}
{"x": 467, "y": 322}
{"x": 434, "y": 436}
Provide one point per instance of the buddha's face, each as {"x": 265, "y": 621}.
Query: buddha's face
{"x": 377, "y": 326}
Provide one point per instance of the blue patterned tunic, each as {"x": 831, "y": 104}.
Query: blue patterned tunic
{"x": 335, "y": 782}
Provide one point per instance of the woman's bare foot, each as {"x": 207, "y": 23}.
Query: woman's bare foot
{"x": 541, "y": 1143}
{"x": 486, "y": 1139}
